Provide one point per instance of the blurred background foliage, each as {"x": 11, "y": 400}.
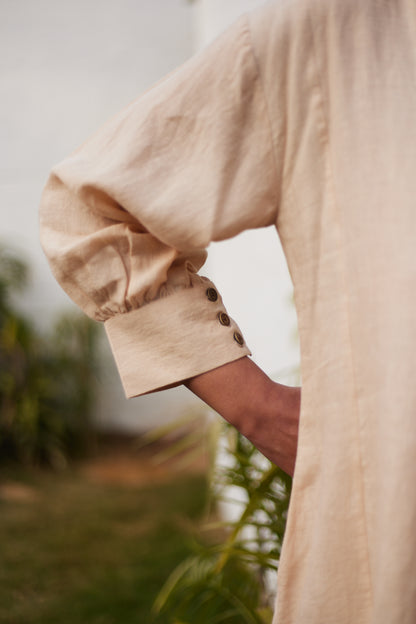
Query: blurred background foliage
{"x": 46, "y": 381}
{"x": 47, "y": 394}
{"x": 230, "y": 576}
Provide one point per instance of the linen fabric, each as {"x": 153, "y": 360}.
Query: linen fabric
{"x": 301, "y": 115}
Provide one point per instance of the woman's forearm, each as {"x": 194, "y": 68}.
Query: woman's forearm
{"x": 265, "y": 412}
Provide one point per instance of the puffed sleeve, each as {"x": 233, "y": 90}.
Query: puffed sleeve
{"x": 126, "y": 219}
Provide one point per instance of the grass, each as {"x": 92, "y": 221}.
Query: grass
{"x": 74, "y": 550}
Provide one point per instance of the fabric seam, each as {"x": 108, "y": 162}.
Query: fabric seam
{"x": 323, "y": 106}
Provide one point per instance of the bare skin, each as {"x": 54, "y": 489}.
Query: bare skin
{"x": 265, "y": 412}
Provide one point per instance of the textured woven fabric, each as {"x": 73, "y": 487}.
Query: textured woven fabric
{"x": 302, "y": 115}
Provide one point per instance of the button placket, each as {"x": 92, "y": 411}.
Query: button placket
{"x": 222, "y": 316}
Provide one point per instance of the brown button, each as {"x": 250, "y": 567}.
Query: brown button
{"x": 223, "y": 318}
{"x": 212, "y": 294}
{"x": 238, "y": 338}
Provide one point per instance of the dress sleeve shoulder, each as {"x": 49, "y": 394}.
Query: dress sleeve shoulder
{"x": 127, "y": 218}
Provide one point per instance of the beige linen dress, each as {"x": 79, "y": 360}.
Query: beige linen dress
{"x": 302, "y": 115}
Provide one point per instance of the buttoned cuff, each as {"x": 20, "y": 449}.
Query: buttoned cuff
{"x": 174, "y": 338}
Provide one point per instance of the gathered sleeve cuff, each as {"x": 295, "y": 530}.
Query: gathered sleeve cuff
{"x": 174, "y": 338}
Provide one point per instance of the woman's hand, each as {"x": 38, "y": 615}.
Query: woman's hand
{"x": 265, "y": 412}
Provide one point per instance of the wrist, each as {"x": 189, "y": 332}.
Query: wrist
{"x": 265, "y": 412}
{"x": 255, "y": 411}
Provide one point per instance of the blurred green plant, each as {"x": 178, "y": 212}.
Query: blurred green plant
{"x": 227, "y": 579}
{"x": 46, "y": 381}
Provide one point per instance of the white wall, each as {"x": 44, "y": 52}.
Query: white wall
{"x": 65, "y": 68}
